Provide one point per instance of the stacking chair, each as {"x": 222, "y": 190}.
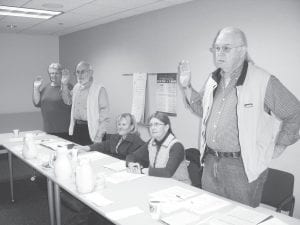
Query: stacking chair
{"x": 278, "y": 191}
{"x": 194, "y": 168}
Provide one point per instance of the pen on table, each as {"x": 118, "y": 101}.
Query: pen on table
{"x": 268, "y": 218}
{"x": 178, "y": 196}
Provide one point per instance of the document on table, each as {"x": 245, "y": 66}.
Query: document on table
{"x": 174, "y": 193}
{"x": 92, "y": 156}
{"x": 97, "y": 199}
{"x": 239, "y": 215}
{"x": 273, "y": 221}
{"x": 205, "y": 203}
{"x": 180, "y": 218}
{"x": 123, "y": 176}
{"x": 54, "y": 144}
{"x": 116, "y": 166}
{"x": 124, "y": 213}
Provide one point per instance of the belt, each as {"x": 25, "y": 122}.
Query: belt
{"x": 223, "y": 154}
{"x": 81, "y": 122}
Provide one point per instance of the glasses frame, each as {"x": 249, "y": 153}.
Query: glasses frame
{"x": 224, "y": 48}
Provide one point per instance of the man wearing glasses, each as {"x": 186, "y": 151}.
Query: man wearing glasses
{"x": 248, "y": 118}
{"x": 90, "y": 107}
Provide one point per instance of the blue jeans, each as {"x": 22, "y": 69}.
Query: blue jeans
{"x": 225, "y": 176}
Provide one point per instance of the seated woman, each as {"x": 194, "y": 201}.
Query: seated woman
{"x": 119, "y": 145}
{"x": 163, "y": 155}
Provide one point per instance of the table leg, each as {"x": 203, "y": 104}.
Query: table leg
{"x": 50, "y": 201}
{"x": 10, "y": 165}
{"x": 57, "y": 204}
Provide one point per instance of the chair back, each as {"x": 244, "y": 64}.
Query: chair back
{"x": 194, "y": 168}
{"x": 278, "y": 190}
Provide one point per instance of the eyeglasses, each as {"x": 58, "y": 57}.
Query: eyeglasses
{"x": 155, "y": 124}
{"x": 80, "y": 72}
{"x": 224, "y": 48}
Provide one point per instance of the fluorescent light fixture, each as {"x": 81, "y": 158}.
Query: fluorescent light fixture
{"x": 25, "y": 12}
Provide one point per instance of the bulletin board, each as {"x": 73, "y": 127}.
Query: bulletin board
{"x": 165, "y": 88}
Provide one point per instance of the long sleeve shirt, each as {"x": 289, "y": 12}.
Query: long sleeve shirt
{"x": 176, "y": 156}
{"x": 222, "y": 130}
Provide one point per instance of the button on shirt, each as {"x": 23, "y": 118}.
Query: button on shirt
{"x": 222, "y": 130}
{"x": 80, "y": 106}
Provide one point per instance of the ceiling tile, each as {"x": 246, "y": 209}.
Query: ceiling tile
{"x": 20, "y": 22}
{"x": 17, "y": 3}
{"x": 67, "y": 4}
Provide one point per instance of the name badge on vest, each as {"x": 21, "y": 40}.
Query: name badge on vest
{"x": 248, "y": 105}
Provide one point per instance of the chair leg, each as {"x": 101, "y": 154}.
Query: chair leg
{"x": 291, "y": 212}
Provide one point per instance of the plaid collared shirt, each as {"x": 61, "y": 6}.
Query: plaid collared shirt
{"x": 222, "y": 129}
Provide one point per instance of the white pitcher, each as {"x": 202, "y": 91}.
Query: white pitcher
{"x": 62, "y": 164}
{"x": 85, "y": 177}
{"x": 29, "y": 150}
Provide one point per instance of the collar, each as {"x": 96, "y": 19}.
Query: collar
{"x": 130, "y": 137}
{"x": 165, "y": 141}
{"x": 216, "y": 75}
{"x": 85, "y": 86}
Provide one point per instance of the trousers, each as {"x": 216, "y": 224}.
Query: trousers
{"x": 225, "y": 176}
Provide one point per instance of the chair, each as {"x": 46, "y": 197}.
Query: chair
{"x": 194, "y": 168}
{"x": 278, "y": 191}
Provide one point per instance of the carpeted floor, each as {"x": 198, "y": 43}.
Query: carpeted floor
{"x": 31, "y": 203}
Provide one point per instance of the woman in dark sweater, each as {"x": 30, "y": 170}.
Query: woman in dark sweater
{"x": 163, "y": 155}
{"x": 119, "y": 145}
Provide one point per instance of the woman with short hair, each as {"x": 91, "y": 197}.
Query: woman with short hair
{"x": 163, "y": 155}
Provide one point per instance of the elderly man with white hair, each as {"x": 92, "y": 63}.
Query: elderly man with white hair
{"x": 52, "y": 98}
{"x": 248, "y": 118}
{"x": 90, "y": 107}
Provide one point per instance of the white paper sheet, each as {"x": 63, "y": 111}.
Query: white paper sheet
{"x": 237, "y": 216}
{"x": 138, "y": 96}
{"x": 247, "y": 215}
{"x": 92, "y": 156}
{"x": 174, "y": 193}
{"x": 97, "y": 199}
{"x": 116, "y": 166}
{"x": 122, "y": 177}
{"x": 205, "y": 203}
{"x": 273, "y": 221}
{"x": 180, "y": 218}
{"x": 124, "y": 213}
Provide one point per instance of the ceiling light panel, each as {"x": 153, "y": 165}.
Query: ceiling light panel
{"x": 27, "y": 12}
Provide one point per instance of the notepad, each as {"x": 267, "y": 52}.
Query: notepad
{"x": 92, "y": 156}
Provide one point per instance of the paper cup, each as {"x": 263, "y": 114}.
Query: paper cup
{"x": 16, "y": 132}
{"x": 154, "y": 208}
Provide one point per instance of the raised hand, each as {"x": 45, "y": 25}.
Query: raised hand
{"x": 65, "y": 76}
{"x": 184, "y": 73}
{"x": 38, "y": 82}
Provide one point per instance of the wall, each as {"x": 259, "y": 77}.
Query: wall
{"x": 22, "y": 58}
{"x": 157, "y": 41}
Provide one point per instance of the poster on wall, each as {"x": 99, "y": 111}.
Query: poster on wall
{"x": 166, "y": 93}
{"x": 139, "y": 94}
